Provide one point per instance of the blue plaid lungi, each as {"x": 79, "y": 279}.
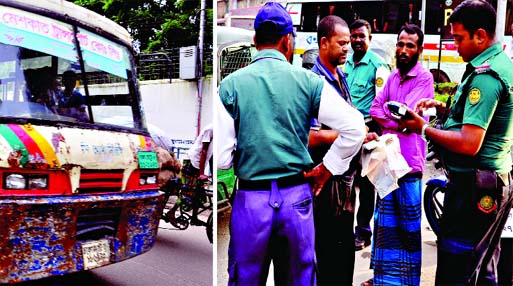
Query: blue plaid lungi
{"x": 396, "y": 249}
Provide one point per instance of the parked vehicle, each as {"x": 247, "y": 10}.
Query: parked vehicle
{"x": 77, "y": 191}
{"x": 235, "y": 49}
{"x": 386, "y": 18}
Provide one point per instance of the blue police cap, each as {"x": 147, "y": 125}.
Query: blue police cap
{"x": 274, "y": 12}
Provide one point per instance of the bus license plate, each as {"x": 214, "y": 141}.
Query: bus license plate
{"x": 95, "y": 253}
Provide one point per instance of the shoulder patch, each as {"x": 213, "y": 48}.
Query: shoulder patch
{"x": 474, "y": 95}
{"x": 487, "y": 204}
{"x": 379, "y": 82}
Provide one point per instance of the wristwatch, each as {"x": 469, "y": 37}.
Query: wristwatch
{"x": 423, "y": 131}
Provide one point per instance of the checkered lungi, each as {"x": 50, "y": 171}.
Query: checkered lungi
{"x": 396, "y": 248}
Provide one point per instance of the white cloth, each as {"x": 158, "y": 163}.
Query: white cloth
{"x": 205, "y": 136}
{"x": 334, "y": 112}
{"x": 383, "y": 163}
{"x": 225, "y": 142}
{"x": 160, "y": 137}
{"x": 337, "y": 114}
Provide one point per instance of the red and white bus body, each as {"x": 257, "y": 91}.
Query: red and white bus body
{"x": 77, "y": 184}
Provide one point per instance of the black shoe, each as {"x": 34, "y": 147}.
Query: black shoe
{"x": 360, "y": 243}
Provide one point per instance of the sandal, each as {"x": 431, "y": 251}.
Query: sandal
{"x": 367, "y": 283}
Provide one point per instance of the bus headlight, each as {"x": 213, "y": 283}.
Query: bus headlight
{"x": 26, "y": 182}
{"x": 148, "y": 179}
{"x": 38, "y": 183}
{"x": 15, "y": 182}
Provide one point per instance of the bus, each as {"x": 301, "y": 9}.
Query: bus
{"x": 386, "y": 17}
{"x": 78, "y": 189}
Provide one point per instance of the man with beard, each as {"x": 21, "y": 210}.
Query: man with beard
{"x": 334, "y": 206}
{"x": 396, "y": 250}
{"x": 475, "y": 143}
{"x": 366, "y": 73}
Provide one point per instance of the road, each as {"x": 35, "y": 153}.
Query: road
{"x": 362, "y": 271}
{"x": 177, "y": 258}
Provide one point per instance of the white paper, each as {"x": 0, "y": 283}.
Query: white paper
{"x": 384, "y": 164}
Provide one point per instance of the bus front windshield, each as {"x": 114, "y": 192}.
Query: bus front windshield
{"x": 41, "y": 76}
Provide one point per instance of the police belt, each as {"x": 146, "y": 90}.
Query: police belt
{"x": 283, "y": 182}
{"x": 470, "y": 176}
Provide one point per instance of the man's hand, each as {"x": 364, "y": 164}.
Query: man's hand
{"x": 319, "y": 176}
{"x": 371, "y": 136}
{"x": 426, "y": 103}
{"x": 413, "y": 125}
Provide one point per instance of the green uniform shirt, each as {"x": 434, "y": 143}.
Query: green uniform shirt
{"x": 489, "y": 105}
{"x": 362, "y": 80}
{"x": 271, "y": 103}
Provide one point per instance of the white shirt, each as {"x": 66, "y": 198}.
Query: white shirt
{"x": 205, "y": 136}
{"x": 334, "y": 112}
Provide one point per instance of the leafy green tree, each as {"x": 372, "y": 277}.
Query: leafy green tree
{"x": 157, "y": 24}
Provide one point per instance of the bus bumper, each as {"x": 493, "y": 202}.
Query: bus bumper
{"x": 47, "y": 236}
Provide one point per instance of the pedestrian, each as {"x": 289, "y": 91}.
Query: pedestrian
{"x": 396, "y": 248}
{"x": 200, "y": 168}
{"x": 200, "y": 154}
{"x": 475, "y": 143}
{"x": 267, "y": 107}
{"x": 366, "y": 73}
{"x": 334, "y": 206}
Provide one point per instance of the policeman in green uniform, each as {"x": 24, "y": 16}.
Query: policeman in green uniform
{"x": 476, "y": 140}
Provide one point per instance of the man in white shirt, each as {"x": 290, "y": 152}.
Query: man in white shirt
{"x": 200, "y": 153}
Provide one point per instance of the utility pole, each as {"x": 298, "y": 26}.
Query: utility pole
{"x": 200, "y": 65}
{"x": 501, "y": 20}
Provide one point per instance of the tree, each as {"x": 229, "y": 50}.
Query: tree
{"x": 156, "y": 24}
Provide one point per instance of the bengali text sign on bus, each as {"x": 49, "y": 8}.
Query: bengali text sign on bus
{"x": 55, "y": 30}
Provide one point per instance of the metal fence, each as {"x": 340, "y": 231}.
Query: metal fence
{"x": 166, "y": 64}
{"x": 232, "y": 59}
{"x": 157, "y": 65}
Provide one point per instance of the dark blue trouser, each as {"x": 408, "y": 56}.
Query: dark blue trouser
{"x": 505, "y": 266}
{"x": 334, "y": 236}
{"x": 468, "y": 244}
{"x": 366, "y": 196}
{"x": 272, "y": 225}
{"x": 366, "y": 207}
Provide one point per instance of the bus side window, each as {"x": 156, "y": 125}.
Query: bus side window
{"x": 310, "y": 13}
